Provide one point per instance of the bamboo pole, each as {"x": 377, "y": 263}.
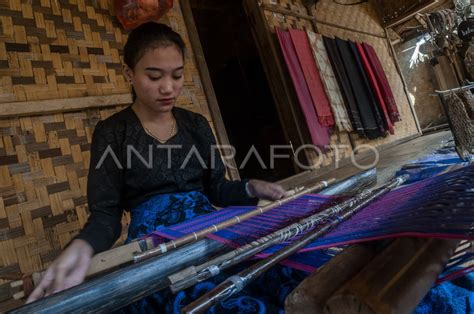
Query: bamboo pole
{"x": 173, "y": 244}
{"x": 237, "y": 282}
{"x": 192, "y": 275}
{"x": 126, "y": 285}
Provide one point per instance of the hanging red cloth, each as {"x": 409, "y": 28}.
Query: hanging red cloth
{"x": 312, "y": 77}
{"x": 383, "y": 84}
{"x": 319, "y": 134}
{"x": 375, "y": 87}
{"x": 132, "y": 13}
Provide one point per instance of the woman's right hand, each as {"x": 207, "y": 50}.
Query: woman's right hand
{"x": 68, "y": 270}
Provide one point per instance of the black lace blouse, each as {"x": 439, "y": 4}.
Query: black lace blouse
{"x": 128, "y": 166}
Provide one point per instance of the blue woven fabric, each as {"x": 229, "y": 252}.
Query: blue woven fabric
{"x": 455, "y": 297}
{"x": 166, "y": 210}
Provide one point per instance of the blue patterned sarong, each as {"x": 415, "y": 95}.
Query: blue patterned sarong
{"x": 169, "y": 209}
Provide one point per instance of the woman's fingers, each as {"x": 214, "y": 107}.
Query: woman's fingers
{"x": 43, "y": 286}
{"x": 68, "y": 270}
{"x": 267, "y": 190}
{"x": 61, "y": 272}
{"x": 78, "y": 275}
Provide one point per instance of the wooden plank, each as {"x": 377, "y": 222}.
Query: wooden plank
{"x": 396, "y": 280}
{"x": 29, "y": 108}
{"x": 201, "y": 64}
{"x": 313, "y": 292}
{"x": 405, "y": 16}
{"x": 114, "y": 257}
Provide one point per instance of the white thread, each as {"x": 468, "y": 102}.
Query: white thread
{"x": 215, "y": 228}
{"x": 163, "y": 248}
{"x": 195, "y": 235}
{"x": 238, "y": 218}
{"x": 174, "y": 244}
{"x": 261, "y": 210}
{"x": 214, "y": 270}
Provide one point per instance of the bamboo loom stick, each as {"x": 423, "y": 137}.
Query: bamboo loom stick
{"x": 126, "y": 285}
{"x": 96, "y": 293}
{"x": 237, "y": 282}
{"x": 124, "y": 254}
{"x": 194, "y": 274}
{"x": 173, "y": 244}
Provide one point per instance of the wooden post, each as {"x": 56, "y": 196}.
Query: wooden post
{"x": 396, "y": 280}
{"x": 312, "y": 293}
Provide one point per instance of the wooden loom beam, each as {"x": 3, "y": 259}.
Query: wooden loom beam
{"x": 126, "y": 285}
{"x": 237, "y": 282}
{"x": 311, "y": 294}
{"x": 87, "y": 296}
{"x": 394, "y": 281}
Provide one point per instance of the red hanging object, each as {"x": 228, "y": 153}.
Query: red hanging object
{"x": 132, "y": 13}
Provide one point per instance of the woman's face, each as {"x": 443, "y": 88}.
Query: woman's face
{"x": 158, "y": 78}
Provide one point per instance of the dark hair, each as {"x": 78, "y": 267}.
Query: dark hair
{"x": 148, "y": 36}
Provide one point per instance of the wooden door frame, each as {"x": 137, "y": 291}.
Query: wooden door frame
{"x": 208, "y": 88}
{"x": 284, "y": 98}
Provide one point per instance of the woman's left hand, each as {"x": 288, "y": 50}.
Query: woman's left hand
{"x": 266, "y": 190}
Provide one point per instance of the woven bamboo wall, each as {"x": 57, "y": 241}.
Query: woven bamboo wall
{"x": 56, "y": 50}
{"x": 362, "y": 18}
{"x": 53, "y": 49}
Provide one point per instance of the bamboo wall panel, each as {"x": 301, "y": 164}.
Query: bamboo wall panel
{"x": 43, "y": 177}
{"x": 58, "y": 50}
{"x": 358, "y": 23}
{"x": 53, "y": 49}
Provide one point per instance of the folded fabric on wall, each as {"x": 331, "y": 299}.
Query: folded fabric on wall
{"x": 362, "y": 98}
{"x": 381, "y": 124}
{"x": 329, "y": 82}
{"x": 312, "y": 76}
{"x": 344, "y": 84}
{"x": 382, "y": 81}
{"x": 343, "y": 81}
{"x": 319, "y": 134}
{"x": 375, "y": 88}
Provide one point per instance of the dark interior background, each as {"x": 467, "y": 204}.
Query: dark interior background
{"x": 244, "y": 97}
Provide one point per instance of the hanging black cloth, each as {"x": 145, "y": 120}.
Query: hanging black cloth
{"x": 374, "y": 105}
{"x": 344, "y": 84}
{"x": 371, "y": 129}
